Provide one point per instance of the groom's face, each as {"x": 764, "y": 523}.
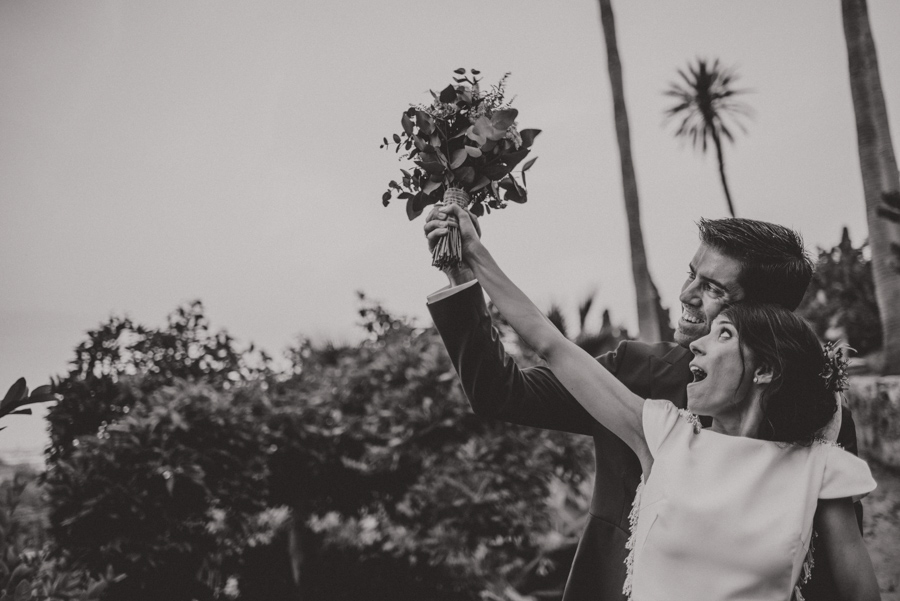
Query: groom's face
{"x": 712, "y": 285}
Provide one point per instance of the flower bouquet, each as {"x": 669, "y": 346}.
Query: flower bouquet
{"x": 464, "y": 146}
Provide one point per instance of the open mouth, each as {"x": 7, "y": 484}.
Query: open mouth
{"x": 691, "y": 317}
{"x": 699, "y": 374}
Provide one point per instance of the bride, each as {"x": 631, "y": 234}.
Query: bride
{"x": 725, "y": 512}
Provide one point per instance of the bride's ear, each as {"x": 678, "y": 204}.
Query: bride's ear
{"x": 763, "y": 374}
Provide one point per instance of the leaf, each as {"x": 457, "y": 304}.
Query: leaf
{"x": 496, "y": 171}
{"x": 396, "y": 138}
{"x": 528, "y": 164}
{"x": 480, "y": 183}
{"x": 425, "y": 123}
{"x": 459, "y": 157}
{"x": 431, "y": 186}
{"x": 23, "y": 591}
{"x": 477, "y": 209}
{"x": 415, "y": 205}
{"x": 482, "y": 126}
{"x": 476, "y": 137}
{"x": 407, "y": 124}
{"x": 475, "y": 72}
{"x": 448, "y": 94}
{"x": 16, "y": 392}
{"x": 460, "y": 71}
{"x": 465, "y": 175}
{"x": 513, "y": 158}
{"x": 432, "y": 167}
{"x": 503, "y": 118}
{"x": 386, "y": 198}
{"x": 528, "y": 136}
{"x": 473, "y": 151}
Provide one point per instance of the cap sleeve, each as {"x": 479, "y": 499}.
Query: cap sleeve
{"x": 846, "y": 475}
{"x": 659, "y": 418}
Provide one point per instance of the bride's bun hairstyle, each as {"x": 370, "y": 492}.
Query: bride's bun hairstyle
{"x": 801, "y": 398}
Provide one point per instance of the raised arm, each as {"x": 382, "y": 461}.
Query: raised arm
{"x": 604, "y": 397}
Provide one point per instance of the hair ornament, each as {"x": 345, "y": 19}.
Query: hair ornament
{"x": 835, "y": 370}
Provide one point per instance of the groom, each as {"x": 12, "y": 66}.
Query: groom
{"x": 738, "y": 260}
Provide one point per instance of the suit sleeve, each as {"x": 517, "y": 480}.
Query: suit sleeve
{"x": 495, "y": 386}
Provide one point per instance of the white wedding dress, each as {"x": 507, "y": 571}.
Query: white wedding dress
{"x": 726, "y": 517}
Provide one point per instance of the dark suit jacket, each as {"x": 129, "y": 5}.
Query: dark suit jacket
{"x": 497, "y": 388}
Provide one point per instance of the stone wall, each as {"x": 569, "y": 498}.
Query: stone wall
{"x": 875, "y": 403}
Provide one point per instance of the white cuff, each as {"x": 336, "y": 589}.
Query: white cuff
{"x": 449, "y": 290}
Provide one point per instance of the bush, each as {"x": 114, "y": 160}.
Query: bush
{"x": 360, "y": 473}
{"x": 840, "y": 301}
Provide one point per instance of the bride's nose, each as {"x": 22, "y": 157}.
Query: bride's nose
{"x": 697, "y": 346}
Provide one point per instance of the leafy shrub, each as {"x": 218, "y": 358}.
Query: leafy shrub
{"x": 360, "y": 473}
{"x": 840, "y": 301}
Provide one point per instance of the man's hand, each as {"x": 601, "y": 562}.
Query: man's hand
{"x": 438, "y": 224}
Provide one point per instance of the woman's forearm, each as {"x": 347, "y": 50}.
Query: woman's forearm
{"x": 528, "y": 321}
{"x": 608, "y": 400}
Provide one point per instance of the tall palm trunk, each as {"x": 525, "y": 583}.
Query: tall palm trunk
{"x": 647, "y": 295}
{"x": 879, "y": 171}
{"x": 718, "y": 142}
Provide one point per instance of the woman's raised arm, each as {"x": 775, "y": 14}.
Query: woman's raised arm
{"x": 607, "y": 399}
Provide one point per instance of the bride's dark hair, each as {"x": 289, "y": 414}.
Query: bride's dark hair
{"x": 800, "y": 401}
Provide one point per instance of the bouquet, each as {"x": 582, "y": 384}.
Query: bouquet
{"x": 464, "y": 146}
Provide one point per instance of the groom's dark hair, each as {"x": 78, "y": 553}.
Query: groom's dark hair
{"x": 775, "y": 267}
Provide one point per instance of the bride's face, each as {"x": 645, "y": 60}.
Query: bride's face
{"x": 722, "y": 376}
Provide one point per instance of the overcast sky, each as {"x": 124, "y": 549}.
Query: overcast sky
{"x": 152, "y": 153}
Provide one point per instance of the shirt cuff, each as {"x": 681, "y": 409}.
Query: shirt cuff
{"x": 449, "y": 290}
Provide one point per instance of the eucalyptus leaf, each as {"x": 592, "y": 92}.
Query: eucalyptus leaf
{"x": 528, "y": 164}
{"x": 448, "y": 94}
{"x": 528, "y": 136}
{"x": 459, "y": 157}
{"x": 425, "y": 123}
{"x": 431, "y": 186}
{"x": 465, "y": 175}
{"x": 473, "y": 151}
{"x": 460, "y": 71}
{"x": 502, "y": 119}
{"x": 480, "y": 183}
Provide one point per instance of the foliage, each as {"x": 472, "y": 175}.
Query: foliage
{"x": 840, "y": 301}
{"x": 704, "y": 103}
{"x": 17, "y": 397}
{"x": 361, "y": 470}
{"x": 184, "y": 349}
{"x": 413, "y": 489}
{"x": 169, "y": 494}
{"x": 464, "y": 139}
{"x": 27, "y": 570}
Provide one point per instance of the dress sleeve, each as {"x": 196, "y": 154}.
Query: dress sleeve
{"x": 845, "y": 476}
{"x": 659, "y": 419}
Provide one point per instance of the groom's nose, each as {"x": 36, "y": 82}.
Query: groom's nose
{"x": 690, "y": 293}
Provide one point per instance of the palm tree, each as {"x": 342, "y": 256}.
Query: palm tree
{"x": 705, "y": 100}
{"x": 881, "y": 181}
{"x": 650, "y": 312}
